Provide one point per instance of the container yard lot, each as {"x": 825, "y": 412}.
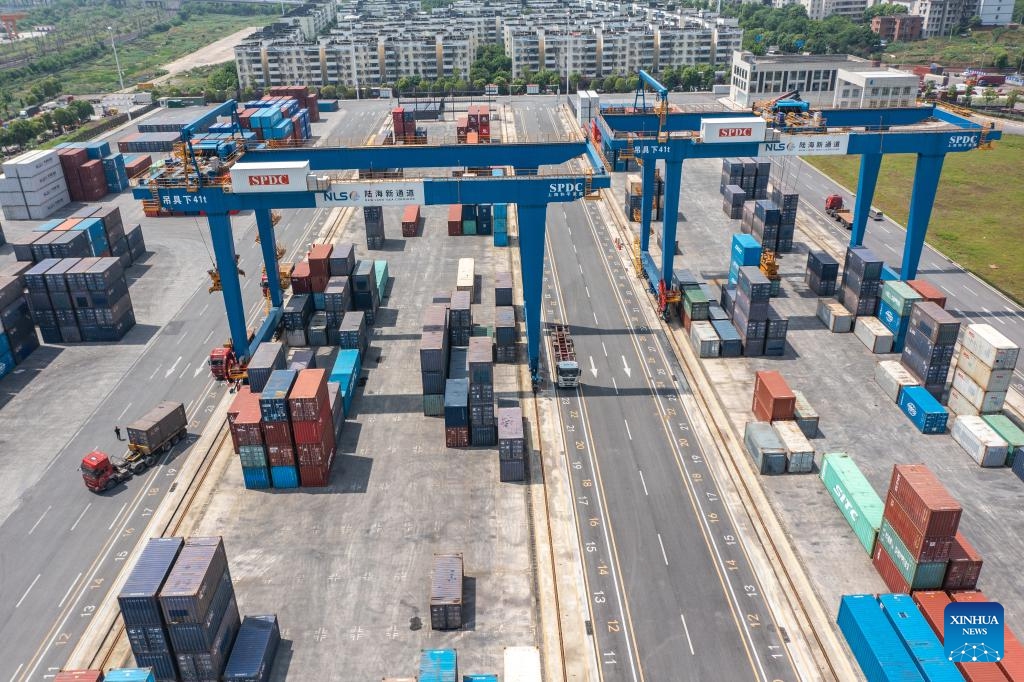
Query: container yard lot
{"x": 347, "y": 567}
{"x": 75, "y": 541}
{"x": 835, "y": 372}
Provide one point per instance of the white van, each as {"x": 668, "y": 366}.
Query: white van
{"x": 875, "y": 214}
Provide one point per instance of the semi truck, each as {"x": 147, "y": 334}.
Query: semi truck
{"x": 567, "y": 369}
{"x": 834, "y": 208}
{"x": 154, "y": 433}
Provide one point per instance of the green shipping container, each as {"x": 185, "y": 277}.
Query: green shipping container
{"x": 927, "y": 576}
{"x": 856, "y": 499}
{"x": 468, "y": 227}
{"x": 433, "y": 405}
{"x": 380, "y": 269}
{"x": 696, "y": 304}
{"x": 1009, "y": 432}
{"x": 899, "y": 296}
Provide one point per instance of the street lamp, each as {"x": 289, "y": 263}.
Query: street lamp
{"x": 117, "y": 62}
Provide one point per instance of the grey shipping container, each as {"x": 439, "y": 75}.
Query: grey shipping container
{"x": 511, "y": 443}
{"x": 483, "y": 436}
{"x": 435, "y": 318}
{"x": 270, "y": 355}
{"x": 302, "y": 358}
{"x": 252, "y": 656}
{"x": 512, "y": 470}
{"x": 165, "y": 668}
{"x": 481, "y": 360}
{"x": 731, "y": 344}
{"x": 195, "y": 667}
{"x": 458, "y": 365}
{"x": 148, "y": 639}
{"x": 352, "y": 331}
{"x": 138, "y": 597}
{"x": 446, "y": 592}
{"x": 197, "y": 638}
{"x": 158, "y": 426}
{"x": 765, "y": 448}
{"x": 503, "y": 288}
{"x": 433, "y": 352}
{"x": 193, "y": 582}
{"x": 505, "y": 325}
{"x": 343, "y": 259}
{"x": 433, "y": 382}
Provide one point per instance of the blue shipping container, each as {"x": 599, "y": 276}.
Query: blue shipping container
{"x": 6, "y": 364}
{"x": 501, "y": 238}
{"x": 479, "y": 678}
{"x": 274, "y": 398}
{"x": 129, "y": 675}
{"x": 165, "y": 668}
{"x": 252, "y": 655}
{"x": 138, "y": 597}
{"x": 256, "y": 478}
{"x": 889, "y": 274}
{"x": 923, "y": 409}
{"x": 746, "y": 250}
{"x": 345, "y": 365}
{"x": 894, "y": 323}
{"x": 48, "y": 225}
{"x": 918, "y": 638}
{"x": 456, "y": 402}
{"x": 874, "y": 643}
{"x": 438, "y": 665}
{"x": 284, "y": 477}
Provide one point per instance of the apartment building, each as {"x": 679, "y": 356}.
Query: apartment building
{"x": 898, "y": 27}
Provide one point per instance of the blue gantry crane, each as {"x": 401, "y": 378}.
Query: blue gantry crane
{"x": 264, "y": 179}
{"x": 870, "y": 133}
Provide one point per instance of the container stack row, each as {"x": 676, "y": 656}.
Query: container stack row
{"x": 17, "y": 332}
{"x": 483, "y": 430}
{"x": 749, "y": 174}
{"x": 181, "y": 615}
{"x": 634, "y": 198}
{"x": 32, "y": 186}
{"x": 470, "y": 219}
{"x": 762, "y": 331}
{"x": 984, "y": 371}
{"x": 79, "y": 299}
{"x": 777, "y": 443}
{"x": 307, "y": 100}
{"x": 745, "y": 251}
{"x": 822, "y": 273}
{"x": 434, "y": 345}
{"x": 476, "y": 123}
{"x": 861, "y": 282}
{"x": 273, "y": 117}
{"x": 461, "y": 317}
{"x": 764, "y": 220}
{"x": 511, "y": 444}
{"x": 373, "y": 217}
{"x": 499, "y": 216}
{"x": 928, "y": 351}
{"x": 404, "y": 123}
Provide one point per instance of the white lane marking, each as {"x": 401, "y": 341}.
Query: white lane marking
{"x": 663, "y": 555}
{"x": 173, "y": 367}
{"x": 604, "y": 349}
{"x": 627, "y": 429}
{"x": 182, "y": 338}
{"x": 625, "y": 367}
{"x": 124, "y": 411}
{"x": 946, "y": 290}
{"x": 184, "y": 370}
{"x": 70, "y": 587}
{"x": 199, "y": 369}
{"x": 28, "y": 590}
{"x": 34, "y": 525}
{"x": 208, "y": 336}
{"x": 595, "y": 318}
{"x": 587, "y": 289}
{"x": 593, "y": 367}
{"x": 574, "y": 249}
{"x": 189, "y": 406}
{"x": 891, "y": 248}
{"x": 15, "y": 675}
{"x": 117, "y": 516}
{"x": 581, "y": 269}
{"x": 970, "y": 290}
{"x": 203, "y": 309}
{"x": 643, "y": 482}
{"x": 615, "y": 385}
{"x": 882, "y": 228}
{"x": 79, "y": 519}
{"x": 155, "y": 371}
{"x": 687, "y": 630}
{"x": 1009, "y": 310}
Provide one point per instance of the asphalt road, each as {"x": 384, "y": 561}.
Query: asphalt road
{"x": 72, "y": 542}
{"x": 969, "y": 298}
{"x": 670, "y": 590}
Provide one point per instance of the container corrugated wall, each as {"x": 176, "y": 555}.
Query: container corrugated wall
{"x": 438, "y": 665}
{"x": 252, "y": 655}
{"x": 917, "y": 638}
{"x": 857, "y": 500}
{"x": 873, "y": 641}
{"x": 446, "y": 592}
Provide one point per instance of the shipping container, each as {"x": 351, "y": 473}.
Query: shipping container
{"x": 932, "y": 604}
{"x": 252, "y": 656}
{"x": 799, "y": 452}
{"x": 466, "y": 276}
{"x": 964, "y": 566}
{"x": 982, "y": 400}
{"x": 990, "y": 672}
{"x": 893, "y": 377}
{"x": 928, "y": 292}
{"x": 773, "y": 398}
{"x": 155, "y": 430}
{"x": 937, "y": 325}
{"x": 522, "y": 664}
{"x": 920, "y": 576}
{"x": 926, "y": 413}
{"x": 991, "y": 347}
{"x": 900, "y": 296}
{"x": 765, "y": 448}
{"x": 1009, "y": 432}
{"x": 873, "y": 334}
{"x": 858, "y": 502}
{"x": 129, "y": 675}
{"x": 991, "y": 380}
{"x": 200, "y": 637}
{"x": 927, "y": 502}
{"x": 918, "y": 639}
{"x": 138, "y": 598}
{"x": 704, "y": 339}
{"x": 922, "y": 547}
{"x": 805, "y": 415}
{"x": 446, "y": 592}
{"x": 512, "y": 470}
{"x": 834, "y": 316}
{"x": 79, "y": 676}
{"x": 439, "y": 665}
{"x": 960, "y": 406}
{"x": 190, "y": 587}
{"x": 980, "y": 441}
{"x": 274, "y": 397}
{"x": 284, "y": 476}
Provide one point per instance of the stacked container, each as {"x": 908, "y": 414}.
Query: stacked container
{"x": 374, "y": 218}
{"x": 245, "y": 422}
{"x": 873, "y": 334}
{"x": 921, "y": 407}
{"x": 18, "y": 336}
{"x": 696, "y": 306}
{"x": 505, "y": 333}
{"x": 732, "y": 174}
{"x": 455, "y": 220}
{"x": 893, "y": 377}
{"x": 411, "y": 221}
{"x": 312, "y": 424}
{"x": 746, "y": 251}
{"x": 306, "y": 99}
{"x": 365, "y": 294}
{"x": 434, "y": 359}
{"x": 634, "y": 199}
{"x": 480, "y": 359}
{"x": 199, "y": 607}
{"x": 928, "y": 351}
{"x": 269, "y": 356}
{"x": 984, "y": 371}
{"x": 352, "y": 332}
{"x": 33, "y": 186}
{"x": 343, "y": 259}
{"x": 468, "y": 218}
{"x": 874, "y": 641}
{"x": 928, "y": 291}
{"x": 766, "y": 226}
{"x": 750, "y": 174}
{"x": 456, "y": 411}
{"x": 862, "y": 275}
{"x": 500, "y": 212}
{"x": 345, "y": 372}
{"x": 773, "y": 399}
{"x": 704, "y": 339}
{"x": 446, "y": 592}
{"x": 858, "y": 502}
{"x": 835, "y": 316}
{"x": 83, "y": 299}
{"x": 140, "y": 608}
{"x": 750, "y": 310}
{"x": 964, "y": 565}
{"x": 1009, "y": 432}
{"x": 511, "y": 444}
{"x": 799, "y": 451}
{"x": 918, "y": 527}
{"x": 733, "y": 197}
{"x": 277, "y": 429}
{"x": 898, "y": 299}
{"x": 337, "y": 304}
{"x": 295, "y": 317}
{"x": 461, "y": 318}
{"x": 822, "y": 271}
{"x": 252, "y": 656}
{"x": 980, "y": 441}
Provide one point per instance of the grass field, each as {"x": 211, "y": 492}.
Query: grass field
{"x": 981, "y": 48}
{"x": 977, "y": 219}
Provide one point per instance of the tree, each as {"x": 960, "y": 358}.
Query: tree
{"x": 989, "y": 95}
{"x": 47, "y": 118}
{"x": 968, "y": 94}
{"x": 63, "y": 118}
{"x": 884, "y": 9}
{"x": 1011, "y": 99}
{"x": 224, "y": 77}
{"x": 81, "y": 109}
{"x": 329, "y": 92}
{"x": 1001, "y": 60}
{"x": 22, "y": 131}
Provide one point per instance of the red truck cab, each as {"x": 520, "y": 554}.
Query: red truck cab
{"x": 98, "y": 471}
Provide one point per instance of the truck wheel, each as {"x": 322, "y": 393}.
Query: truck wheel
{"x": 139, "y": 467}
{"x": 149, "y": 461}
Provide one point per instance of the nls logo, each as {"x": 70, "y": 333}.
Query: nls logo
{"x": 973, "y": 631}
{"x": 267, "y": 180}
{"x": 736, "y": 132}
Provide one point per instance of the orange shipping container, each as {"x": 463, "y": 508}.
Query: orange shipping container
{"x": 773, "y": 399}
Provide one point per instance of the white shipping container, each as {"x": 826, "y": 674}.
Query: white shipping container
{"x": 522, "y": 664}
{"x": 799, "y": 452}
{"x": 12, "y": 198}
{"x": 732, "y": 129}
{"x": 41, "y": 195}
{"x": 991, "y": 347}
{"x": 34, "y": 183}
{"x": 466, "y": 278}
{"x": 833, "y": 315}
{"x": 980, "y": 441}
{"x": 873, "y": 334}
{"x": 15, "y": 212}
{"x": 959, "y": 405}
{"x": 46, "y": 210}
{"x": 282, "y": 176}
{"x": 705, "y": 339}
{"x": 9, "y": 184}
{"x": 893, "y": 377}
{"x": 984, "y": 401}
{"x": 32, "y": 163}
{"x": 983, "y": 375}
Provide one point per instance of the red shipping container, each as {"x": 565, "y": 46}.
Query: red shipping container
{"x": 472, "y": 137}
{"x": 978, "y": 672}
{"x": 297, "y": 127}
{"x": 281, "y": 455}
{"x": 319, "y": 260}
{"x": 313, "y": 105}
{"x": 301, "y": 283}
{"x": 773, "y": 399}
{"x": 242, "y": 398}
{"x": 308, "y": 397}
{"x": 927, "y": 502}
{"x": 79, "y": 676}
{"x": 310, "y": 432}
{"x": 928, "y": 291}
{"x": 315, "y": 476}
{"x": 246, "y": 429}
{"x": 318, "y": 284}
{"x": 484, "y": 112}
{"x": 277, "y": 433}
{"x": 398, "y": 121}
{"x": 455, "y": 220}
{"x": 315, "y": 453}
{"x": 1012, "y": 664}
{"x": 932, "y": 604}
{"x": 411, "y": 214}
{"x": 922, "y": 547}
{"x": 456, "y": 436}
{"x": 964, "y": 567}
{"x": 887, "y": 569}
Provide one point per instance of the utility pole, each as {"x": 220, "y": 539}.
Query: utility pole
{"x": 120, "y": 76}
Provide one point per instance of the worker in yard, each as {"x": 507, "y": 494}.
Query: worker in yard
{"x": 117, "y": 432}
